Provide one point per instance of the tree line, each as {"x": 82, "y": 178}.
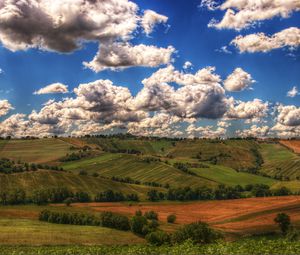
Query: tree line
{"x": 222, "y": 192}
{"x": 8, "y": 166}
{"x": 61, "y": 195}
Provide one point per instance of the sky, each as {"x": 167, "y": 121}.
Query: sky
{"x": 161, "y": 68}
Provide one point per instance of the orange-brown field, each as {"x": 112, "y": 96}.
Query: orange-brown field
{"x": 292, "y": 144}
{"x": 238, "y": 216}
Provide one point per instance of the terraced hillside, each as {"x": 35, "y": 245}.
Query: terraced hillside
{"x": 31, "y": 181}
{"x": 237, "y": 154}
{"x": 34, "y": 151}
{"x": 137, "y": 168}
{"x": 280, "y": 162}
{"x": 159, "y": 147}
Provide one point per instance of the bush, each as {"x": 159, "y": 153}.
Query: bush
{"x": 198, "y": 233}
{"x": 151, "y": 215}
{"x": 284, "y": 222}
{"x": 158, "y": 238}
{"x": 171, "y": 218}
{"x": 138, "y": 224}
{"x": 111, "y": 220}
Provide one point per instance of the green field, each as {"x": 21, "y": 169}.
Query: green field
{"x": 34, "y": 151}
{"x": 122, "y": 165}
{"x": 280, "y": 161}
{"x": 231, "y": 177}
{"x": 42, "y": 179}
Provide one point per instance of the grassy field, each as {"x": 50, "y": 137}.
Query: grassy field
{"x": 35, "y": 151}
{"x": 123, "y": 165}
{"x": 231, "y": 177}
{"x": 34, "y": 232}
{"x": 280, "y": 161}
{"x": 30, "y": 181}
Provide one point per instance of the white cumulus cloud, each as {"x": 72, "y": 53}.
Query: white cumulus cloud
{"x": 150, "y": 19}
{"x": 293, "y": 92}
{"x": 54, "y": 88}
{"x": 238, "y": 80}
{"x": 240, "y": 14}
{"x": 5, "y": 107}
{"x": 260, "y": 42}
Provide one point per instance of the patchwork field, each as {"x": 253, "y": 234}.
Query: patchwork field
{"x": 241, "y": 216}
{"x": 280, "y": 162}
{"x": 236, "y": 154}
{"x": 31, "y": 181}
{"x": 135, "y": 167}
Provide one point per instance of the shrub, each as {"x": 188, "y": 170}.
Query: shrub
{"x": 158, "y": 238}
{"x": 137, "y": 224}
{"x": 284, "y": 222}
{"x": 151, "y": 215}
{"x": 198, "y": 233}
{"x": 111, "y": 220}
{"x": 171, "y": 218}
{"x": 68, "y": 201}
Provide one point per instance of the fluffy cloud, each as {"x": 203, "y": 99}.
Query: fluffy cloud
{"x": 293, "y": 92}
{"x": 187, "y": 65}
{"x": 252, "y": 110}
{"x": 64, "y": 25}
{"x": 150, "y": 19}
{"x": 206, "y": 131}
{"x": 53, "y": 89}
{"x": 241, "y": 14}
{"x": 254, "y": 131}
{"x": 5, "y": 107}
{"x": 201, "y": 95}
{"x": 260, "y": 42}
{"x": 238, "y": 80}
{"x": 170, "y": 75}
{"x": 288, "y": 115}
{"x": 121, "y": 55}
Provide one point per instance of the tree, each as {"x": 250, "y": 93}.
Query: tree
{"x": 158, "y": 238}
{"x": 284, "y": 222}
{"x": 153, "y": 195}
{"x": 151, "y": 215}
{"x": 68, "y": 201}
{"x": 198, "y": 233}
{"x": 137, "y": 224}
{"x": 171, "y": 218}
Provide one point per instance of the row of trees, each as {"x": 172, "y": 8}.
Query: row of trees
{"x": 61, "y": 195}
{"x": 111, "y": 196}
{"x": 8, "y": 166}
{"x": 220, "y": 193}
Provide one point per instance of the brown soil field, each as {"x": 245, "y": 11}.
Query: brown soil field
{"x": 292, "y": 144}
{"x": 239, "y": 215}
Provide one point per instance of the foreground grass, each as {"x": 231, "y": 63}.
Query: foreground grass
{"x": 245, "y": 246}
{"x": 33, "y": 232}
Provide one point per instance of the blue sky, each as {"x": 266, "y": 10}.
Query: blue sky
{"x": 275, "y": 71}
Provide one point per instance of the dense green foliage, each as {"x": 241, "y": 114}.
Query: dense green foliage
{"x": 284, "y": 222}
{"x": 106, "y": 219}
{"x": 111, "y": 196}
{"x": 254, "y": 246}
{"x": 198, "y": 233}
{"x": 222, "y": 192}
